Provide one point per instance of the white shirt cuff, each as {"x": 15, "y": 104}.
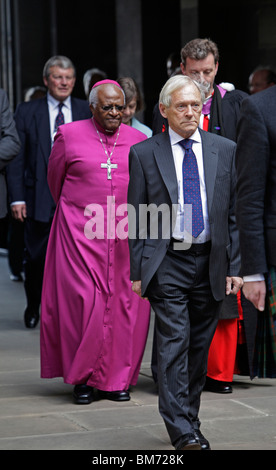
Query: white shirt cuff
{"x": 253, "y": 277}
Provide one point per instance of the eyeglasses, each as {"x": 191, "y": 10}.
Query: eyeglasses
{"x": 110, "y": 107}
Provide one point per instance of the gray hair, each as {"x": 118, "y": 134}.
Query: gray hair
{"x": 93, "y": 95}
{"x": 58, "y": 61}
{"x": 175, "y": 83}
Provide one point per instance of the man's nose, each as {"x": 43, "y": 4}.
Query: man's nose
{"x": 114, "y": 110}
{"x": 189, "y": 109}
{"x": 199, "y": 76}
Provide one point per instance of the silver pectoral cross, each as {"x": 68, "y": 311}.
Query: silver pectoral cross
{"x": 109, "y": 166}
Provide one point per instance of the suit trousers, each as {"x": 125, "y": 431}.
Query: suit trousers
{"x": 186, "y": 315}
{"x": 36, "y": 237}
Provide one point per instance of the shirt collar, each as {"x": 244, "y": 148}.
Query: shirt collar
{"x": 54, "y": 103}
{"x": 176, "y": 138}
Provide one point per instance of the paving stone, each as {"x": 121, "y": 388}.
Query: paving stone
{"x": 39, "y": 414}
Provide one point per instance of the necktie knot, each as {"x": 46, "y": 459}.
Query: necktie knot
{"x": 186, "y": 144}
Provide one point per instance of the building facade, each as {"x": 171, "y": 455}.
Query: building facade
{"x": 131, "y": 38}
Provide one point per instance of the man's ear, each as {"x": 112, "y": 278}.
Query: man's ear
{"x": 182, "y": 68}
{"x": 163, "y": 110}
{"x": 45, "y": 81}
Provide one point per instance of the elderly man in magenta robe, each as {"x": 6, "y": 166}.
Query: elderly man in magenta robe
{"x": 93, "y": 327}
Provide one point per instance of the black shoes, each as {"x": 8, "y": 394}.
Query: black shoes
{"x": 31, "y": 317}
{"x": 216, "y": 386}
{"x": 193, "y": 441}
{"x": 83, "y": 394}
{"x": 189, "y": 442}
{"x": 118, "y": 395}
{"x": 202, "y": 440}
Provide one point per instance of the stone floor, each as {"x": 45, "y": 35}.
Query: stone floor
{"x": 38, "y": 414}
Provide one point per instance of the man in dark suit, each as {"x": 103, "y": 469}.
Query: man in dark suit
{"x": 220, "y": 114}
{"x": 29, "y": 194}
{"x": 256, "y": 193}
{"x": 185, "y": 276}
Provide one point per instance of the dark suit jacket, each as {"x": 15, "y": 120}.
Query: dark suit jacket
{"x": 153, "y": 180}
{"x": 256, "y": 182}
{"x": 27, "y": 175}
{"x": 9, "y": 147}
{"x": 230, "y": 110}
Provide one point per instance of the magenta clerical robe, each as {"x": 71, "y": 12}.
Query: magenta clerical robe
{"x": 93, "y": 327}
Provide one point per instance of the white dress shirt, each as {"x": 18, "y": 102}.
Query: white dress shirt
{"x": 53, "y": 112}
{"x": 178, "y": 155}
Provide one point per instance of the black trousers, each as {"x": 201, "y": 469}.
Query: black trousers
{"x": 16, "y": 245}
{"x": 36, "y": 236}
{"x": 186, "y": 319}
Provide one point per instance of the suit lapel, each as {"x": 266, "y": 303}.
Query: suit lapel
{"x": 164, "y": 160}
{"x": 43, "y": 130}
{"x": 210, "y": 162}
{"x": 76, "y": 114}
{"x": 74, "y": 109}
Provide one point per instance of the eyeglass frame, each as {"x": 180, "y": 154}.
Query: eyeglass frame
{"x": 110, "y": 107}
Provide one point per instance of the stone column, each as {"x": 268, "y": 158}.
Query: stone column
{"x": 129, "y": 40}
{"x": 189, "y": 20}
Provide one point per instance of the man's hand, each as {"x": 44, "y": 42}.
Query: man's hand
{"x": 233, "y": 284}
{"x": 136, "y": 287}
{"x": 19, "y": 212}
{"x": 255, "y": 292}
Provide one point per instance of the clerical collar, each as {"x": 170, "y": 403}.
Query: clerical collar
{"x": 102, "y": 130}
{"x": 206, "y": 108}
{"x": 208, "y": 97}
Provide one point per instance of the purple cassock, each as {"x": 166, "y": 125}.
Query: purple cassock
{"x": 93, "y": 327}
